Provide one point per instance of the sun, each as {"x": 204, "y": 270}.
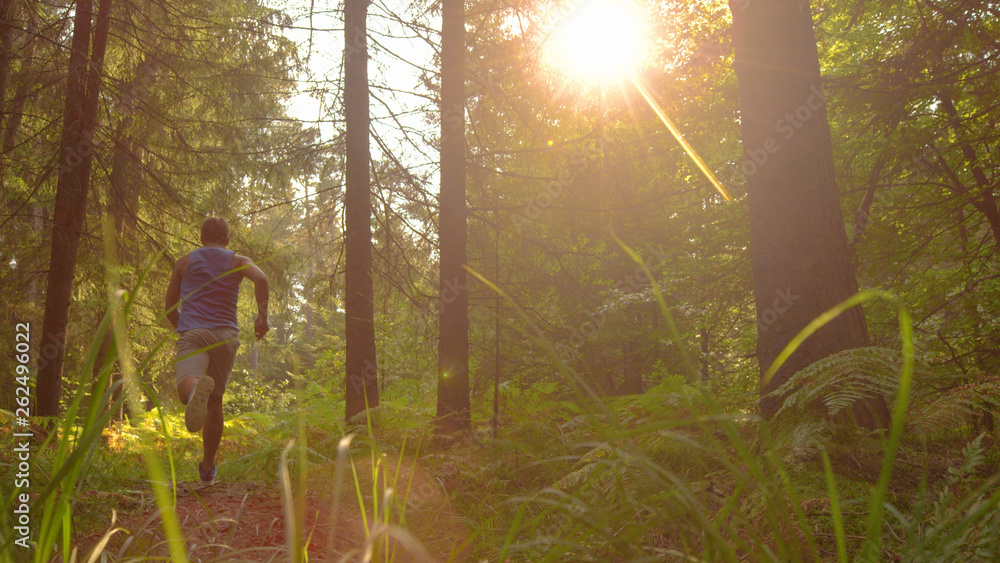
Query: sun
{"x": 599, "y": 39}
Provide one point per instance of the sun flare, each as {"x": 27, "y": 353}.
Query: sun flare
{"x": 599, "y": 39}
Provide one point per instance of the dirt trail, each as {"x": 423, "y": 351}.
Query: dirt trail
{"x": 240, "y": 521}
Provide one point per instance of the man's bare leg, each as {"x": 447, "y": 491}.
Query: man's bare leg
{"x": 185, "y": 387}
{"x": 212, "y": 433}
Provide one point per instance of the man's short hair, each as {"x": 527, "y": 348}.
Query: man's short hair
{"x": 215, "y": 230}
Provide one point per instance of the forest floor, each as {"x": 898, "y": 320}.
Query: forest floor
{"x": 246, "y": 520}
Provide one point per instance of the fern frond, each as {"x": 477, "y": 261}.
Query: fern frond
{"x": 841, "y": 379}
{"x": 956, "y": 407}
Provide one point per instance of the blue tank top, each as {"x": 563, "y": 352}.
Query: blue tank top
{"x": 209, "y": 290}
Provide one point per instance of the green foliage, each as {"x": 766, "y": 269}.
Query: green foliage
{"x": 840, "y": 380}
{"x": 818, "y": 399}
{"x": 958, "y": 407}
{"x": 245, "y": 394}
{"x": 689, "y": 481}
{"x": 963, "y": 522}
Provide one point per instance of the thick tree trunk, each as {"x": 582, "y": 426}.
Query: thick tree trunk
{"x": 362, "y": 371}
{"x": 798, "y": 244}
{"x": 453, "y": 343}
{"x": 82, "y": 95}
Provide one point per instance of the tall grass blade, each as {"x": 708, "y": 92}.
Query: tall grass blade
{"x": 292, "y": 538}
{"x": 877, "y": 508}
{"x": 343, "y": 453}
{"x": 838, "y": 521}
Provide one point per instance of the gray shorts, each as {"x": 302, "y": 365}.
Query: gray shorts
{"x": 193, "y": 358}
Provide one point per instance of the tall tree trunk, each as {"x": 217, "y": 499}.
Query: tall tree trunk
{"x": 76, "y": 148}
{"x": 14, "y": 111}
{"x": 124, "y": 185}
{"x": 6, "y": 48}
{"x": 362, "y": 371}
{"x": 309, "y": 289}
{"x": 798, "y": 243}
{"x": 123, "y": 193}
{"x": 453, "y": 300}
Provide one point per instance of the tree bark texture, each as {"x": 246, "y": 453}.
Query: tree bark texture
{"x": 362, "y": 371}
{"x": 453, "y": 343}
{"x": 798, "y": 243}
{"x": 77, "y": 145}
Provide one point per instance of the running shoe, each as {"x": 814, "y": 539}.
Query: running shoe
{"x": 207, "y": 477}
{"x": 197, "y": 407}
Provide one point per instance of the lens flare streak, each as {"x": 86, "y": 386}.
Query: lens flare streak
{"x": 637, "y": 82}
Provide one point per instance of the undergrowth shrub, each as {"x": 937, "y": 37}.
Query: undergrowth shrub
{"x": 674, "y": 475}
{"x": 818, "y": 397}
{"x": 245, "y": 393}
{"x": 963, "y": 521}
{"x": 681, "y": 482}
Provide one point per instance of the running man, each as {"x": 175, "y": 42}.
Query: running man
{"x": 201, "y": 304}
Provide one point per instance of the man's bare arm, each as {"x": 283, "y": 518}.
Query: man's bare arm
{"x": 261, "y": 291}
{"x": 174, "y": 291}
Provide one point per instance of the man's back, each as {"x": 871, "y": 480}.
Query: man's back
{"x": 209, "y": 290}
